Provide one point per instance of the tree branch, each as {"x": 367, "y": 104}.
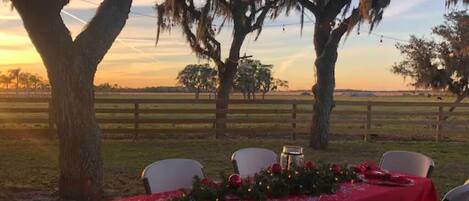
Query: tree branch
{"x": 195, "y": 45}
{"x": 103, "y": 29}
{"x": 333, "y": 8}
{"x": 46, "y": 29}
{"x": 260, "y": 19}
{"x": 344, "y": 26}
{"x": 313, "y": 8}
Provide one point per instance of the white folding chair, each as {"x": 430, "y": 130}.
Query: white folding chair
{"x": 171, "y": 174}
{"x": 460, "y": 193}
{"x": 408, "y": 162}
{"x": 249, "y": 161}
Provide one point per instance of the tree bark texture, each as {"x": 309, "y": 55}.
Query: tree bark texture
{"x": 71, "y": 66}
{"x": 226, "y": 74}
{"x": 326, "y": 41}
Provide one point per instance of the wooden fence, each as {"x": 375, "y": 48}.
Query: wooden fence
{"x": 137, "y": 117}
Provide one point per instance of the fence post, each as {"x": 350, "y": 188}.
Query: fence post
{"x": 51, "y": 117}
{"x": 136, "y": 120}
{"x": 368, "y": 121}
{"x": 439, "y": 126}
{"x": 293, "y": 116}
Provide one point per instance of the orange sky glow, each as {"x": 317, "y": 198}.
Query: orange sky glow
{"x": 134, "y": 61}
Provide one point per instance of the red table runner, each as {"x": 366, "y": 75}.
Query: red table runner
{"x": 422, "y": 190}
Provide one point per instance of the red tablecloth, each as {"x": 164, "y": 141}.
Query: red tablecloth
{"x": 422, "y": 190}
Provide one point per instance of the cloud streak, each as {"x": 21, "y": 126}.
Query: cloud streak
{"x": 399, "y": 7}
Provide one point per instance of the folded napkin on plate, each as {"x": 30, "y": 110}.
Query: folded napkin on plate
{"x": 386, "y": 176}
{"x": 371, "y": 171}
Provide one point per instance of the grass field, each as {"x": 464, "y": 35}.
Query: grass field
{"x": 29, "y": 166}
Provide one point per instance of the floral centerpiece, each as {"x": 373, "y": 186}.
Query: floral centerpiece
{"x": 273, "y": 182}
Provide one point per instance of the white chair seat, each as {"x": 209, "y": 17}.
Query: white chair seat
{"x": 460, "y": 193}
{"x": 171, "y": 174}
{"x": 408, "y": 162}
{"x": 249, "y": 161}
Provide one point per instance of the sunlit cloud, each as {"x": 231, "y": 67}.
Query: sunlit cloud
{"x": 136, "y": 62}
{"x": 398, "y": 7}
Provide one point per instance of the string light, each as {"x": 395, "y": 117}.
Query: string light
{"x": 311, "y": 21}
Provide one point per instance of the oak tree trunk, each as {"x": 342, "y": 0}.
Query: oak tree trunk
{"x": 71, "y": 66}
{"x": 326, "y": 41}
{"x": 323, "y": 92}
{"x": 223, "y": 96}
{"x": 197, "y": 94}
{"x": 81, "y": 169}
{"x": 226, "y": 73}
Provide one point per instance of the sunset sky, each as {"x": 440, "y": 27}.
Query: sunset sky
{"x": 134, "y": 61}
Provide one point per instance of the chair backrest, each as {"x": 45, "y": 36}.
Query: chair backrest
{"x": 249, "y": 161}
{"x": 171, "y": 174}
{"x": 460, "y": 193}
{"x": 408, "y": 162}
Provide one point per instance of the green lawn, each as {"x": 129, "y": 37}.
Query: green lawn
{"x": 30, "y": 165}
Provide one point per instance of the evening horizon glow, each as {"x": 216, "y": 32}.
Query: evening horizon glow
{"x": 364, "y": 63}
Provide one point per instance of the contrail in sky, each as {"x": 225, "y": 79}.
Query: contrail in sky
{"x": 117, "y": 39}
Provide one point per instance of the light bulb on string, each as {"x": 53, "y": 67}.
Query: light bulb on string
{"x": 283, "y": 27}
{"x": 381, "y": 39}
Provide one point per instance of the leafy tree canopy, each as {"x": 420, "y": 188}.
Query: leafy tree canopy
{"x": 198, "y": 77}
{"x": 253, "y": 76}
{"x": 439, "y": 64}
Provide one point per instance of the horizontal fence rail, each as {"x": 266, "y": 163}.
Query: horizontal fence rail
{"x": 186, "y": 116}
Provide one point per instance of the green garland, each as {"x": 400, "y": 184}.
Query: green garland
{"x": 273, "y": 182}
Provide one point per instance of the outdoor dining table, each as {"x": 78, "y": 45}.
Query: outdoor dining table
{"x": 421, "y": 190}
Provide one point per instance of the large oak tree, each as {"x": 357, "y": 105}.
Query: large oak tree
{"x": 441, "y": 64}
{"x": 71, "y": 65}
{"x": 196, "y": 20}
{"x": 334, "y": 19}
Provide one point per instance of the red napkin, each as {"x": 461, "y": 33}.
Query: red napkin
{"x": 377, "y": 174}
{"x": 387, "y": 177}
{"x": 371, "y": 171}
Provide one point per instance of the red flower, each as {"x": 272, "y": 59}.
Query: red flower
{"x": 310, "y": 165}
{"x": 336, "y": 168}
{"x": 235, "y": 181}
{"x": 370, "y": 165}
{"x": 276, "y": 168}
{"x": 206, "y": 181}
{"x": 365, "y": 167}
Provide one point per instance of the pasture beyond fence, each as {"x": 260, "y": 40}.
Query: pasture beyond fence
{"x": 148, "y": 117}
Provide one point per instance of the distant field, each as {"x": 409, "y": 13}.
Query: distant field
{"x": 29, "y": 167}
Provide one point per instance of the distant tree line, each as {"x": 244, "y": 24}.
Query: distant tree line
{"x": 18, "y": 80}
{"x": 110, "y": 87}
{"x": 251, "y": 77}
